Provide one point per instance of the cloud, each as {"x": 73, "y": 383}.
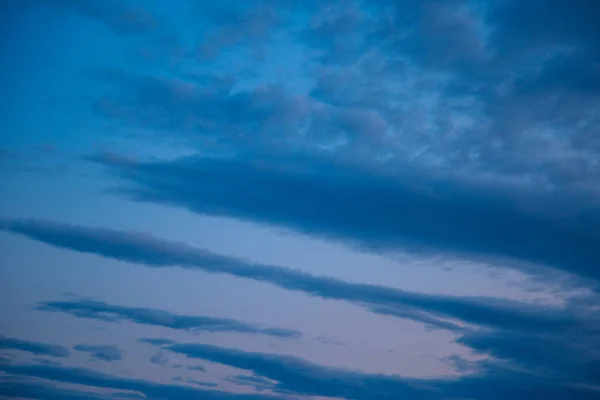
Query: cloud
{"x": 197, "y": 368}
{"x": 101, "y": 352}
{"x": 258, "y": 383}
{"x": 86, "y": 377}
{"x": 372, "y": 210}
{"x": 160, "y": 358}
{"x": 560, "y": 357}
{"x": 431, "y": 309}
{"x": 444, "y": 84}
{"x": 93, "y": 309}
{"x": 156, "y": 342}
{"x": 34, "y": 389}
{"x": 206, "y": 110}
{"x": 471, "y": 318}
{"x": 36, "y": 348}
{"x": 202, "y": 383}
{"x": 297, "y": 376}
{"x": 118, "y": 15}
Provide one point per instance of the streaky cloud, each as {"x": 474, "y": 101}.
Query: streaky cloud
{"x": 33, "y": 347}
{"x": 93, "y": 309}
{"x": 300, "y": 377}
{"x": 156, "y": 342}
{"x": 370, "y": 209}
{"x": 297, "y": 376}
{"x": 500, "y": 323}
{"x": 33, "y": 389}
{"x": 101, "y": 352}
{"x": 257, "y": 382}
{"x": 431, "y": 309}
{"x": 94, "y": 379}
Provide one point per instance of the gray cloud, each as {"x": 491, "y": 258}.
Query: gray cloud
{"x": 297, "y": 376}
{"x": 374, "y": 210}
{"x": 440, "y": 82}
{"x": 101, "y": 352}
{"x": 93, "y": 309}
{"x": 256, "y": 382}
{"x": 147, "y": 250}
{"x": 93, "y": 379}
{"x": 503, "y": 321}
{"x": 36, "y": 348}
{"x": 160, "y": 358}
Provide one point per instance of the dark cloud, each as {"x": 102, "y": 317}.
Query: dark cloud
{"x": 373, "y": 210}
{"x": 93, "y": 309}
{"x": 297, "y": 376}
{"x": 101, "y": 352}
{"x": 438, "y": 82}
{"x": 561, "y": 357}
{"x": 36, "y": 348}
{"x": 204, "y": 110}
{"x": 86, "y": 377}
{"x": 460, "y": 364}
{"x": 431, "y": 309}
{"x": 501, "y": 319}
{"x": 34, "y": 389}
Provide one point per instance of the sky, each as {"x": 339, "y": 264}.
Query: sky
{"x": 300, "y": 199}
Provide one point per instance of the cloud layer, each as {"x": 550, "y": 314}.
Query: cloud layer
{"x": 498, "y": 328}
{"x": 460, "y": 129}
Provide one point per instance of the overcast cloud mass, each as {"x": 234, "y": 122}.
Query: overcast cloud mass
{"x": 300, "y": 199}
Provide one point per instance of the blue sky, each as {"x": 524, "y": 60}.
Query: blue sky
{"x": 308, "y": 199}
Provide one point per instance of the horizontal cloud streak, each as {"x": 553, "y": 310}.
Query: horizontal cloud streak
{"x": 82, "y": 376}
{"x": 36, "y": 348}
{"x": 93, "y": 309}
{"x": 503, "y": 321}
{"x": 101, "y": 352}
{"x": 372, "y": 210}
{"x": 297, "y": 376}
{"x": 294, "y": 375}
{"x": 147, "y": 250}
{"x": 33, "y": 389}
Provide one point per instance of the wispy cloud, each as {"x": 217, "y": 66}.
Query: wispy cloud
{"x": 572, "y": 335}
{"x": 297, "y": 376}
{"x": 101, "y": 352}
{"x": 99, "y": 310}
{"x": 160, "y": 358}
{"x": 153, "y": 252}
{"x": 373, "y": 210}
{"x": 34, "y": 389}
{"x": 463, "y": 128}
{"x": 36, "y": 348}
{"x": 257, "y": 382}
{"x": 93, "y": 379}
{"x": 293, "y": 375}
